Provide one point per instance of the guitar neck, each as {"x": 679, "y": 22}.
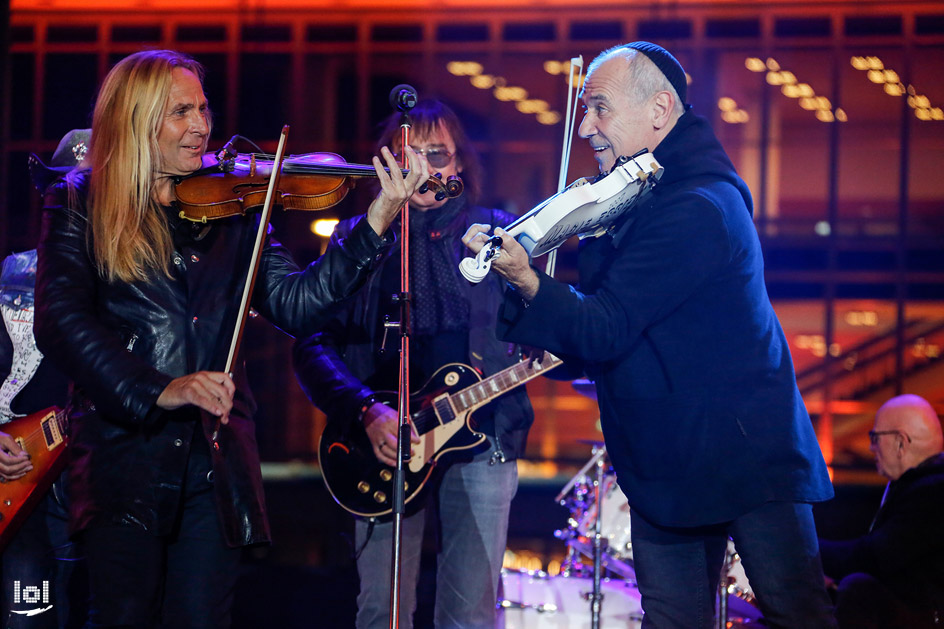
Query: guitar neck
{"x": 497, "y": 384}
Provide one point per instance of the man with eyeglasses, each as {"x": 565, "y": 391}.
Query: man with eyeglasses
{"x": 453, "y": 321}
{"x": 894, "y": 575}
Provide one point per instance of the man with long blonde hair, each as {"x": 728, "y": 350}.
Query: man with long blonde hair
{"x": 137, "y": 306}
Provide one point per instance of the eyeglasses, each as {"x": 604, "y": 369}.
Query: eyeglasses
{"x": 437, "y": 158}
{"x": 875, "y": 434}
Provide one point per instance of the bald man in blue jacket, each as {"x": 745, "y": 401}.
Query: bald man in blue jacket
{"x": 702, "y": 418}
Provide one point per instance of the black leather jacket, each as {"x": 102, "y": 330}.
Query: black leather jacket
{"x": 333, "y": 364}
{"x": 122, "y": 343}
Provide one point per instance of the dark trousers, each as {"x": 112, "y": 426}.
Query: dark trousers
{"x": 678, "y": 569}
{"x": 187, "y": 579}
{"x": 44, "y": 570}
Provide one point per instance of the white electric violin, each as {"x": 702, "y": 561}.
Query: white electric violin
{"x": 584, "y": 209}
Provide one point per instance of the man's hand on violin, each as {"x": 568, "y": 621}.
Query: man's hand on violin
{"x": 210, "y": 390}
{"x": 395, "y": 189}
{"x": 513, "y": 263}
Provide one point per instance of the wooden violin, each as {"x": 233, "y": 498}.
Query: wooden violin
{"x": 583, "y": 209}
{"x": 314, "y": 181}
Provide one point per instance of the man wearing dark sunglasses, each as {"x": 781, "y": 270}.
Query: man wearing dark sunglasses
{"x": 894, "y": 575}
{"x": 453, "y": 321}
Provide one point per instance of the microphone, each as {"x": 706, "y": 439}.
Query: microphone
{"x": 227, "y": 151}
{"x": 403, "y": 97}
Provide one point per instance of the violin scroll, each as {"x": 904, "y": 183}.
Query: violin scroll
{"x": 475, "y": 269}
{"x": 452, "y": 187}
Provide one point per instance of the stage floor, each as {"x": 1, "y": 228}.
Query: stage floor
{"x": 307, "y": 577}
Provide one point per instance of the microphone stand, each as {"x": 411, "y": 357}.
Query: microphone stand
{"x": 596, "y": 597}
{"x": 404, "y": 432}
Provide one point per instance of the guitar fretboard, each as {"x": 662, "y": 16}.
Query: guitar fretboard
{"x": 448, "y": 407}
{"x": 505, "y": 380}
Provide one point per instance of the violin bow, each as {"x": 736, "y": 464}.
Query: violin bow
{"x": 254, "y": 264}
{"x": 569, "y": 126}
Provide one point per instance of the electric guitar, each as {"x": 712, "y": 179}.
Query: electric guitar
{"x": 441, "y": 414}
{"x": 43, "y": 435}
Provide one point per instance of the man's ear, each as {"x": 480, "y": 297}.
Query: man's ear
{"x": 662, "y": 105}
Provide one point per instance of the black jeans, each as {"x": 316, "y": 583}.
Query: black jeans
{"x": 187, "y": 579}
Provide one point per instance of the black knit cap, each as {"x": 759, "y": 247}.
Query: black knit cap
{"x": 668, "y": 64}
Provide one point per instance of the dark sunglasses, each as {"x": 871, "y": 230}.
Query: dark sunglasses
{"x": 437, "y": 158}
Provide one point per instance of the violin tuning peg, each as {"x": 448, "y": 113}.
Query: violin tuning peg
{"x": 423, "y": 189}
{"x": 438, "y": 175}
{"x": 440, "y": 194}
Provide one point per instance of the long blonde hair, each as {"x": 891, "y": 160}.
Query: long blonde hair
{"x": 130, "y": 235}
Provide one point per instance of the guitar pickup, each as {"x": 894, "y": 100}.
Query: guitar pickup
{"x": 50, "y": 431}
{"x": 445, "y": 413}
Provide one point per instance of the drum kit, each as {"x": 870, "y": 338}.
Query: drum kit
{"x": 596, "y": 586}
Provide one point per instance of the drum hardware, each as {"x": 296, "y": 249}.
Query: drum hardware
{"x": 584, "y": 496}
{"x": 723, "y": 586}
{"x": 538, "y": 607}
{"x": 579, "y": 482}
{"x": 536, "y": 600}
{"x": 596, "y": 597}
{"x": 737, "y": 582}
{"x": 598, "y": 528}
{"x": 735, "y": 597}
{"x": 579, "y": 496}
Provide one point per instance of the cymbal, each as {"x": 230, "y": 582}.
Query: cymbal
{"x": 591, "y": 442}
{"x": 586, "y": 387}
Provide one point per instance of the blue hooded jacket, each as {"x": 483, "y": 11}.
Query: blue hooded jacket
{"x": 700, "y": 410}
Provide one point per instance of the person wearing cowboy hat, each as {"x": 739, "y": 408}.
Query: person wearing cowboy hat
{"x": 69, "y": 154}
